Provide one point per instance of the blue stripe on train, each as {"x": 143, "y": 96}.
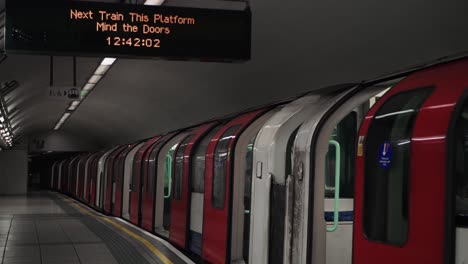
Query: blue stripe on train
{"x": 342, "y": 216}
{"x": 195, "y": 242}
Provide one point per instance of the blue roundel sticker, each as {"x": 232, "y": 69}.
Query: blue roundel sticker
{"x": 385, "y": 155}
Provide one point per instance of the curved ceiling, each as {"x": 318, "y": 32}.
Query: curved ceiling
{"x": 296, "y": 47}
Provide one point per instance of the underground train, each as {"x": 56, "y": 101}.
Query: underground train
{"x": 375, "y": 172}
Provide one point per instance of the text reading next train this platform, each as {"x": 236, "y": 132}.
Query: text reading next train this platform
{"x": 124, "y": 30}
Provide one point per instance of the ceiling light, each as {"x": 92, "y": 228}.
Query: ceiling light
{"x": 101, "y": 69}
{"x": 108, "y": 61}
{"x": 73, "y": 105}
{"x": 95, "y": 79}
{"x": 153, "y": 2}
{"x": 88, "y": 86}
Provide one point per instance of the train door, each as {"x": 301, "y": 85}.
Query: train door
{"x": 197, "y": 190}
{"x": 81, "y": 176}
{"x": 119, "y": 171}
{"x": 109, "y": 179}
{"x": 242, "y": 189}
{"x": 163, "y": 193}
{"x": 64, "y": 176}
{"x": 137, "y": 183}
{"x": 270, "y": 161}
{"x": 410, "y": 175}
{"x": 180, "y": 200}
{"x": 92, "y": 172}
{"x": 72, "y": 175}
{"x": 78, "y": 176}
{"x": 100, "y": 178}
{"x": 150, "y": 166}
{"x": 60, "y": 175}
{"x": 54, "y": 176}
{"x": 320, "y": 187}
{"x": 217, "y": 206}
{"x": 128, "y": 181}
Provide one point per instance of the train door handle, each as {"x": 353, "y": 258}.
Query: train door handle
{"x": 336, "y": 206}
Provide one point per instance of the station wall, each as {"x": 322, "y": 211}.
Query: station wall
{"x": 14, "y": 170}
{"x": 61, "y": 141}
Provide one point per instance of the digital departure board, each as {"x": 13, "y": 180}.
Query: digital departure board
{"x": 75, "y": 28}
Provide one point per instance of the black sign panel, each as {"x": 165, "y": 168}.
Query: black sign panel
{"x": 123, "y": 30}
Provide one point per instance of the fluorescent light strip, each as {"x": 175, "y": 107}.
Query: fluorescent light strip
{"x": 101, "y": 69}
{"x": 93, "y": 80}
{"x": 73, "y": 105}
{"x": 153, "y": 2}
{"x": 108, "y": 61}
{"x": 88, "y": 87}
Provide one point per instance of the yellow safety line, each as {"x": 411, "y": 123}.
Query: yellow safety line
{"x": 145, "y": 242}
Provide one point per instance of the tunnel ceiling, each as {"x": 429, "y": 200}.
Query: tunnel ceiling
{"x": 296, "y": 47}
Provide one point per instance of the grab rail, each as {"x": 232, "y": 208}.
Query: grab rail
{"x": 337, "y": 186}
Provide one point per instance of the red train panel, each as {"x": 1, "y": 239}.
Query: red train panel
{"x": 409, "y": 225}
{"x": 181, "y": 187}
{"x": 119, "y": 166}
{"x": 135, "y": 195}
{"x": 147, "y": 197}
{"x": 109, "y": 175}
{"x": 217, "y": 197}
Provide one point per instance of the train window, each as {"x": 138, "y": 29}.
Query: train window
{"x": 345, "y": 135}
{"x": 168, "y": 176}
{"x": 387, "y": 168}
{"x": 247, "y": 198}
{"x": 179, "y": 168}
{"x": 135, "y": 172}
{"x": 198, "y": 163}
{"x": 461, "y": 166}
{"x": 221, "y": 158}
{"x": 152, "y": 168}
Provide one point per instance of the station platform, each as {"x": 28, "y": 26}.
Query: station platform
{"x": 50, "y": 228}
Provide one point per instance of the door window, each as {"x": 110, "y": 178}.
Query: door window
{"x": 387, "y": 168}
{"x": 179, "y": 168}
{"x": 221, "y": 158}
{"x": 152, "y": 168}
{"x": 136, "y": 170}
{"x": 168, "y": 175}
{"x": 461, "y": 167}
{"x": 198, "y": 163}
{"x": 344, "y": 136}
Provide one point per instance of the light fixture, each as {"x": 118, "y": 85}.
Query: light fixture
{"x": 73, "y": 105}
{"x": 95, "y": 78}
{"x": 88, "y": 87}
{"x": 153, "y": 2}
{"x": 102, "y": 69}
{"x": 108, "y": 61}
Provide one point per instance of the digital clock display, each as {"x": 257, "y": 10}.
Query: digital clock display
{"x": 75, "y": 28}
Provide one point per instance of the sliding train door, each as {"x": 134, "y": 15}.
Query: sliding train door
{"x": 150, "y": 168}
{"x": 411, "y": 180}
{"x": 180, "y": 201}
{"x": 217, "y": 204}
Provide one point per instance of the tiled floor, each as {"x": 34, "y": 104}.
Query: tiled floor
{"x": 34, "y": 229}
{"x": 37, "y": 229}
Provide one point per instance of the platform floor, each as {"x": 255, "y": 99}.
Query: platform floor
{"x": 50, "y": 228}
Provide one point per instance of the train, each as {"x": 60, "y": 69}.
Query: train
{"x": 374, "y": 172}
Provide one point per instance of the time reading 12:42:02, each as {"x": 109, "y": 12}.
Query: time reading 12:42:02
{"x": 134, "y": 42}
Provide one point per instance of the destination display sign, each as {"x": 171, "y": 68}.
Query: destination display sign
{"x": 122, "y": 30}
